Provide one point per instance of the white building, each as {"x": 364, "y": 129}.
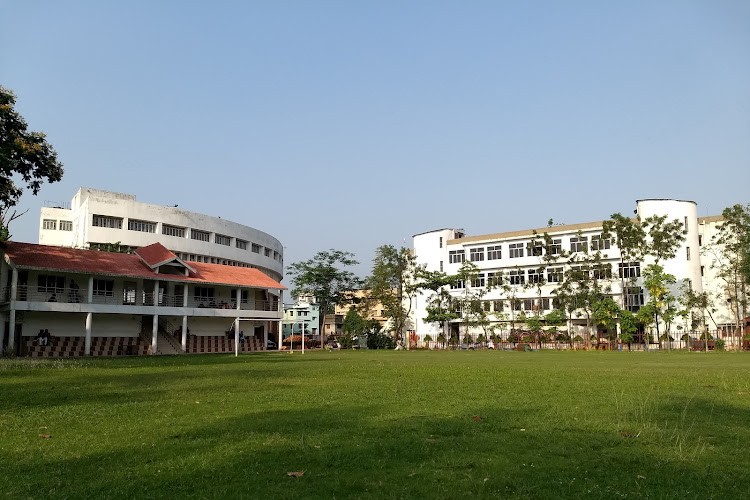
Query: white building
{"x": 106, "y": 303}
{"x": 301, "y": 315}
{"x": 510, "y": 255}
{"x": 95, "y": 218}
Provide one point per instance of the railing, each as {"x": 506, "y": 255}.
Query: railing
{"x": 80, "y": 296}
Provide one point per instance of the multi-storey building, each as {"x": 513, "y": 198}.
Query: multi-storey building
{"x": 301, "y": 316}
{"x": 96, "y": 218}
{"x": 517, "y": 259}
{"x": 105, "y": 303}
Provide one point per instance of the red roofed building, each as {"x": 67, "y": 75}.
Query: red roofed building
{"x": 151, "y": 301}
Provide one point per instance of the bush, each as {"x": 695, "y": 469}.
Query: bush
{"x": 719, "y": 345}
{"x": 379, "y": 340}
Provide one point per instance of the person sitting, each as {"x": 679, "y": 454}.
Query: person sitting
{"x": 47, "y": 337}
{"x": 40, "y": 338}
{"x": 73, "y": 295}
{"x": 242, "y": 337}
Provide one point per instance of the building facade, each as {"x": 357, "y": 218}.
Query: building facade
{"x": 301, "y": 316}
{"x": 533, "y": 274}
{"x": 96, "y": 218}
{"x": 151, "y": 301}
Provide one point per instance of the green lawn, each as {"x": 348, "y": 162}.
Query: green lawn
{"x": 377, "y": 424}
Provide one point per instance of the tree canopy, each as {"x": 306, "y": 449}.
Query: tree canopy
{"x": 326, "y": 278}
{"x": 27, "y": 160}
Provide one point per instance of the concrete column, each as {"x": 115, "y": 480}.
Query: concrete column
{"x": 237, "y": 337}
{"x": 14, "y": 286}
{"x": 12, "y": 328}
{"x": 139, "y": 290}
{"x": 87, "y": 342}
{"x": 156, "y": 293}
{"x": 185, "y": 295}
{"x": 280, "y": 333}
{"x": 2, "y": 330}
{"x": 238, "y": 294}
{"x": 266, "y": 329}
{"x": 154, "y": 333}
{"x": 90, "y": 291}
{"x": 184, "y": 333}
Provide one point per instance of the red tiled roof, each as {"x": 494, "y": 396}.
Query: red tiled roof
{"x": 76, "y": 260}
{"x": 155, "y": 254}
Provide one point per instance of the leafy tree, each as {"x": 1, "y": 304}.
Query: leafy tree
{"x": 664, "y": 237}
{"x": 628, "y": 326}
{"x": 440, "y": 309}
{"x": 732, "y": 259}
{"x": 25, "y": 156}
{"x": 658, "y": 283}
{"x": 393, "y": 280}
{"x": 376, "y": 338}
{"x": 354, "y": 326}
{"x": 325, "y": 277}
{"x": 630, "y": 238}
{"x": 695, "y": 308}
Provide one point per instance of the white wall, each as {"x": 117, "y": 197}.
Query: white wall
{"x": 74, "y": 324}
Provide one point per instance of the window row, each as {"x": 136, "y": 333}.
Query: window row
{"x": 551, "y": 275}
{"x": 53, "y": 224}
{"x": 531, "y": 249}
{"x": 145, "y": 226}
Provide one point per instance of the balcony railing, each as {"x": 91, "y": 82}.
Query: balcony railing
{"x": 80, "y": 296}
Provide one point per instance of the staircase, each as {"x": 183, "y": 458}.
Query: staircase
{"x": 167, "y": 344}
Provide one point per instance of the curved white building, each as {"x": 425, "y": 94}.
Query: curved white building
{"x": 95, "y": 218}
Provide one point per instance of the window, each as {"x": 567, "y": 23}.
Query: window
{"x": 554, "y": 274}
{"x": 243, "y": 296}
{"x": 441, "y": 266}
{"x": 222, "y": 239}
{"x": 196, "y": 234}
{"x": 276, "y": 255}
{"x": 528, "y": 305}
{"x": 535, "y": 276}
{"x": 50, "y": 284}
{"x": 104, "y": 288}
{"x": 255, "y": 248}
{"x": 457, "y": 284}
{"x": 687, "y": 253}
{"x": 241, "y": 244}
{"x": 497, "y": 305}
{"x": 66, "y": 225}
{"x": 456, "y": 256}
{"x": 555, "y": 248}
{"x": 630, "y": 270}
{"x": 633, "y": 298}
{"x": 515, "y": 250}
{"x": 49, "y": 224}
{"x": 545, "y": 304}
{"x": 602, "y": 272}
{"x": 600, "y": 243}
{"x": 129, "y": 293}
{"x": 516, "y": 304}
{"x": 173, "y": 230}
{"x": 203, "y": 294}
{"x": 702, "y": 270}
{"x": 516, "y": 277}
{"x": 494, "y": 253}
{"x": 107, "y": 221}
{"x": 268, "y": 252}
{"x": 291, "y": 313}
{"x": 495, "y": 279}
{"x": 534, "y": 248}
{"x": 441, "y": 242}
{"x": 685, "y": 226}
{"x": 478, "y": 282}
{"x": 689, "y": 283}
{"x": 476, "y": 254}
{"x": 700, "y": 239}
{"x": 578, "y": 272}
{"x": 579, "y": 244}
{"x": 141, "y": 225}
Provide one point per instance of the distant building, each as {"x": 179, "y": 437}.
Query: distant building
{"x": 299, "y": 316}
{"x": 511, "y": 257}
{"x": 96, "y": 218}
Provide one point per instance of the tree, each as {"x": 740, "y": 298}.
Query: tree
{"x": 354, "y": 326}
{"x": 440, "y": 308}
{"x": 24, "y": 156}
{"x": 325, "y": 278}
{"x": 393, "y": 280}
{"x": 658, "y": 283}
{"x": 732, "y": 259}
{"x": 630, "y": 238}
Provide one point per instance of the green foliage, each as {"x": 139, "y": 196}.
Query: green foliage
{"x": 393, "y": 283}
{"x": 116, "y": 247}
{"x": 376, "y": 339}
{"x": 24, "y": 156}
{"x": 326, "y": 278}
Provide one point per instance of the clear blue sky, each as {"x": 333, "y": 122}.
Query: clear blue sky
{"x": 339, "y": 124}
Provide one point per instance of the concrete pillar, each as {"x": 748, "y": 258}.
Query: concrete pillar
{"x": 2, "y": 330}
{"x": 12, "y": 328}
{"x": 279, "y": 334}
{"x": 185, "y": 295}
{"x": 184, "y": 333}
{"x": 237, "y": 337}
{"x": 90, "y": 291}
{"x": 154, "y": 333}
{"x": 87, "y": 342}
{"x": 14, "y": 285}
{"x": 238, "y": 295}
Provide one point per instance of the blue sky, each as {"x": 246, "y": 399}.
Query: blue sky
{"x": 335, "y": 124}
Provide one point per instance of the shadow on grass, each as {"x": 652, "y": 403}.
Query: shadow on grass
{"x": 363, "y": 452}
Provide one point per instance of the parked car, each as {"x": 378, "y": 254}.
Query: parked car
{"x": 270, "y": 345}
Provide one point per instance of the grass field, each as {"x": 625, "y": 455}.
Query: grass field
{"x": 375, "y": 424}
